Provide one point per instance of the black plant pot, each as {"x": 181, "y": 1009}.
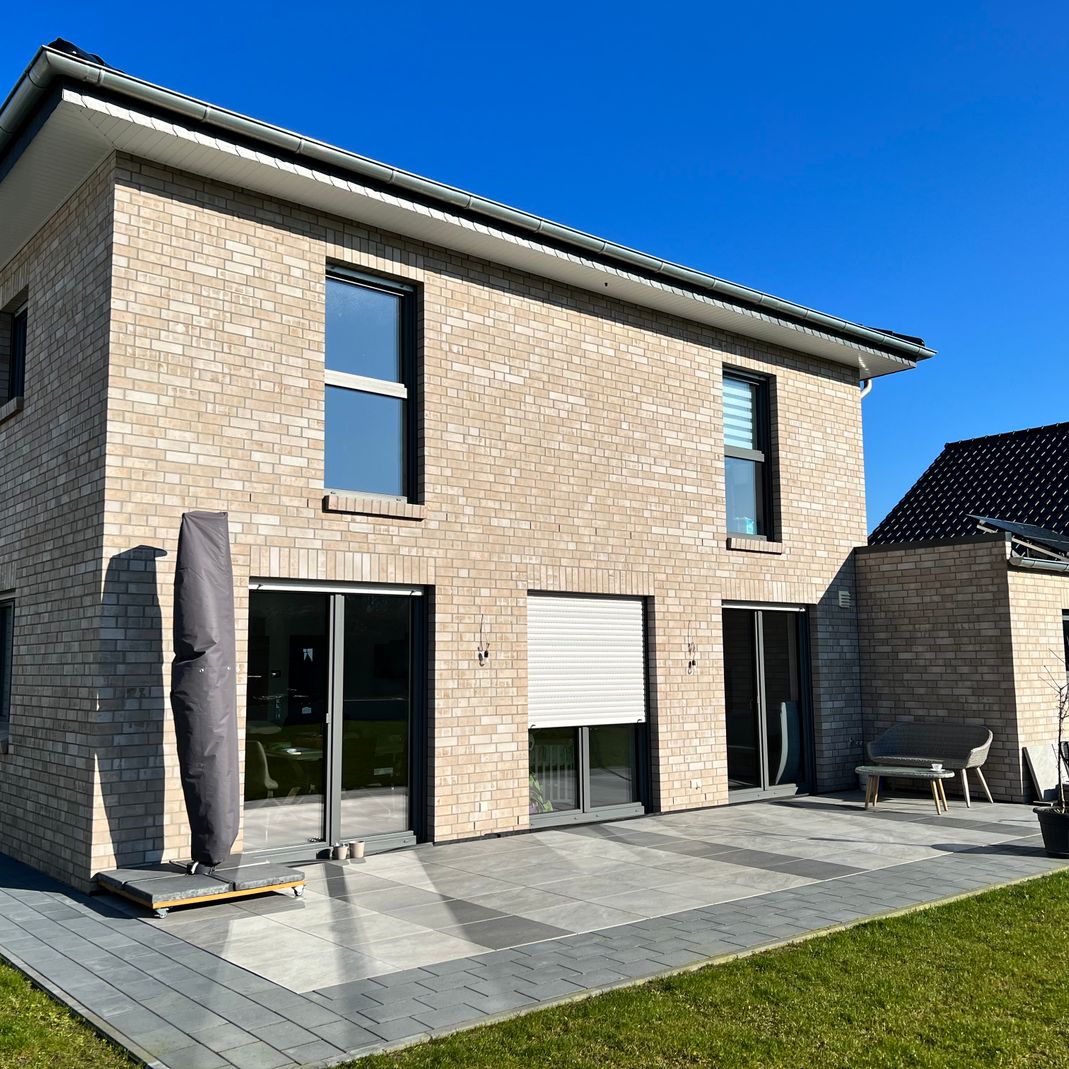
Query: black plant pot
{"x": 1054, "y": 825}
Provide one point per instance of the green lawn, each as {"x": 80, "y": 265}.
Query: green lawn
{"x": 979, "y": 983}
{"x": 37, "y": 1033}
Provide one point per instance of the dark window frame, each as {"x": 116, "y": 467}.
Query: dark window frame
{"x": 763, "y": 456}
{"x": 14, "y": 323}
{"x": 7, "y": 657}
{"x": 410, "y": 412}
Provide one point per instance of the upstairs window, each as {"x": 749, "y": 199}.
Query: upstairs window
{"x": 12, "y": 353}
{"x": 746, "y": 454}
{"x": 369, "y": 343}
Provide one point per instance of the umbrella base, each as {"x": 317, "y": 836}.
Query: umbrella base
{"x": 163, "y": 887}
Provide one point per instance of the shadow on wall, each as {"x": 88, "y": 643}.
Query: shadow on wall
{"x": 133, "y": 705}
{"x": 837, "y": 698}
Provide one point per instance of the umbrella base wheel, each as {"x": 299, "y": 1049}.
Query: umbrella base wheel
{"x": 161, "y": 913}
{"x": 298, "y": 892}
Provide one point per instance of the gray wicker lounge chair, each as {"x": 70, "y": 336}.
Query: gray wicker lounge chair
{"x": 957, "y": 747}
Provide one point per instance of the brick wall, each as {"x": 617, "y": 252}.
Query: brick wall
{"x": 51, "y": 529}
{"x": 569, "y": 442}
{"x": 1037, "y": 601}
{"x": 934, "y": 630}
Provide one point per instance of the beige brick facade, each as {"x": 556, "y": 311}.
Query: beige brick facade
{"x": 953, "y": 632}
{"x": 568, "y": 442}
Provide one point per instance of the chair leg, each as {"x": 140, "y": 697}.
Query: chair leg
{"x": 983, "y": 783}
{"x": 965, "y": 788}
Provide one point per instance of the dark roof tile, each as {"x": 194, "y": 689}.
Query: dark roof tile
{"x": 1021, "y": 477}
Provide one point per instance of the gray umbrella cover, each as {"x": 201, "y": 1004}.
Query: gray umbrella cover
{"x": 203, "y": 694}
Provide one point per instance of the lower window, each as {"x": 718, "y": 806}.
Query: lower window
{"x": 583, "y": 769}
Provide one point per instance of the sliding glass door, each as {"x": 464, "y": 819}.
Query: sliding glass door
{"x": 766, "y": 679}
{"x": 329, "y": 752}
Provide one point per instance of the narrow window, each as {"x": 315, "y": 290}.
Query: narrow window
{"x": 1065, "y": 639}
{"x": 12, "y": 354}
{"x": 7, "y": 620}
{"x": 368, "y": 373}
{"x": 746, "y": 467}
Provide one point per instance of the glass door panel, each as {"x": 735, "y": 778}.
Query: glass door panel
{"x": 554, "y": 770}
{"x": 285, "y": 742}
{"x": 375, "y": 716}
{"x": 741, "y": 699}
{"x": 783, "y": 707}
{"x": 613, "y": 765}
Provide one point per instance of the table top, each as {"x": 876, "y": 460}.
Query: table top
{"x": 903, "y": 772}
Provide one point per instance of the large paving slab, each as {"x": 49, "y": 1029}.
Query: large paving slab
{"x": 421, "y": 942}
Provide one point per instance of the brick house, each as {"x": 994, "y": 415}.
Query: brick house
{"x": 527, "y": 527}
{"x": 963, "y": 597}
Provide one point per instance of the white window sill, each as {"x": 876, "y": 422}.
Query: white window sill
{"x": 369, "y": 505}
{"x": 9, "y": 408}
{"x": 749, "y": 544}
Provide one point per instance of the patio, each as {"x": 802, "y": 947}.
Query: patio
{"x": 428, "y": 940}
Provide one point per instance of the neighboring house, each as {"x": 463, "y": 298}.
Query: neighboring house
{"x": 963, "y": 596}
{"x": 527, "y": 527}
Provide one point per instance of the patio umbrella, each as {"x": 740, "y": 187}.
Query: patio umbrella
{"x": 203, "y": 696}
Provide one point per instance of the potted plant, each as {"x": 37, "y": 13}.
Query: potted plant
{"x": 1054, "y": 818}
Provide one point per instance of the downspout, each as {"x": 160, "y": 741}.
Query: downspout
{"x": 866, "y": 386}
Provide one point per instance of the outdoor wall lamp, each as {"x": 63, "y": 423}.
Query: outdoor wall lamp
{"x": 692, "y": 656}
{"x": 483, "y": 649}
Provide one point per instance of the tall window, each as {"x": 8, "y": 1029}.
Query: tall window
{"x": 7, "y": 620}
{"x": 746, "y": 449}
{"x": 12, "y": 353}
{"x": 1065, "y": 639}
{"x": 368, "y": 375}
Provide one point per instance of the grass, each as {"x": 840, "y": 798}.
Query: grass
{"x": 38, "y": 1033}
{"x": 979, "y": 982}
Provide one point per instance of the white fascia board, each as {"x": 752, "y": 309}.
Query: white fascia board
{"x": 106, "y": 125}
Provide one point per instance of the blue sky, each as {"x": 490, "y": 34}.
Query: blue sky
{"x": 905, "y": 166}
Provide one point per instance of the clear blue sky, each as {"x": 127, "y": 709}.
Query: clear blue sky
{"x": 901, "y": 165}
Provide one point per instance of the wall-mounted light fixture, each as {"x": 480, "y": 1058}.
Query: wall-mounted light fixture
{"x": 483, "y": 649}
{"x": 692, "y": 654}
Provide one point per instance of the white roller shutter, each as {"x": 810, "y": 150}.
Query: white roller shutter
{"x": 586, "y": 661}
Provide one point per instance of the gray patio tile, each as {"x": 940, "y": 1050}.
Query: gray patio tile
{"x": 393, "y": 1010}
{"x": 447, "y": 1017}
{"x": 521, "y": 901}
{"x": 550, "y": 989}
{"x": 503, "y": 1002}
{"x": 195, "y": 1057}
{"x": 391, "y": 899}
{"x": 258, "y": 1055}
{"x": 506, "y": 931}
{"x": 222, "y": 1037}
{"x": 650, "y": 902}
{"x": 430, "y": 947}
{"x": 446, "y": 914}
{"x": 347, "y": 1035}
{"x": 393, "y": 1031}
{"x": 583, "y": 916}
{"x": 318, "y": 1050}
{"x": 284, "y": 1035}
{"x": 439, "y": 1000}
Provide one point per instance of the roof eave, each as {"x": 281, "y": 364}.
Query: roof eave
{"x": 50, "y": 65}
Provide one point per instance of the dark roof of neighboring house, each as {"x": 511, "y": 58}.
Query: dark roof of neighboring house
{"x": 1021, "y": 477}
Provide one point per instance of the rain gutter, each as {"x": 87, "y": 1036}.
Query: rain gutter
{"x": 1031, "y": 564}
{"x": 50, "y": 64}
